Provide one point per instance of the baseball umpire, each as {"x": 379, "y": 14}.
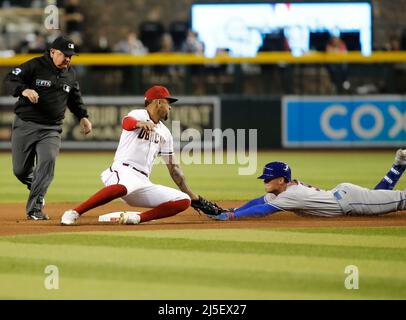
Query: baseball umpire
{"x": 44, "y": 86}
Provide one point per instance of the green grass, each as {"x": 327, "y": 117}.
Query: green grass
{"x": 227, "y": 263}
{"x": 77, "y": 174}
{"x": 207, "y": 264}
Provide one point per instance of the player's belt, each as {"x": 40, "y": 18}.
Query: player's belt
{"x": 142, "y": 172}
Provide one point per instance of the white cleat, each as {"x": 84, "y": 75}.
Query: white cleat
{"x": 129, "y": 218}
{"x": 400, "y": 157}
{"x": 69, "y": 218}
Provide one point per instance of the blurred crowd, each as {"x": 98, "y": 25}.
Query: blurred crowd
{"x": 151, "y": 36}
{"x": 22, "y": 31}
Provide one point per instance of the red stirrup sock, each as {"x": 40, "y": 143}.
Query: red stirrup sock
{"x": 101, "y": 197}
{"x": 166, "y": 209}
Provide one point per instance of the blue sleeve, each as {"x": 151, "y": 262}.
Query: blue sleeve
{"x": 256, "y": 211}
{"x": 253, "y": 202}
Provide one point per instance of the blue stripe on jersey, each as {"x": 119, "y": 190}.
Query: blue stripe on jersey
{"x": 256, "y": 210}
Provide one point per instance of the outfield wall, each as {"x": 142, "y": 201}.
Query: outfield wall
{"x": 343, "y": 121}
{"x": 291, "y": 122}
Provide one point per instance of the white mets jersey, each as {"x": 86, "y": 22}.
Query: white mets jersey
{"x": 303, "y": 199}
{"x": 139, "y": 148}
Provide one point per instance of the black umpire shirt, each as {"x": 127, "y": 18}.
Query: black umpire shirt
{"x": 57, "y": 88}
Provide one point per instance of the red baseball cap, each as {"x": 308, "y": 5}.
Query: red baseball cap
{"x": 158, "y": 92}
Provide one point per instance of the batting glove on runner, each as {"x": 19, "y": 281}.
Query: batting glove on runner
{"x": 207, "y": 207}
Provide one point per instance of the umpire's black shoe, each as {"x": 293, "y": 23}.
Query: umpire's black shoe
{"x": 37, "y": 215}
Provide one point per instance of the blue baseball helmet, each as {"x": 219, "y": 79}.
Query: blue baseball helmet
{"x": 276, "y": 169}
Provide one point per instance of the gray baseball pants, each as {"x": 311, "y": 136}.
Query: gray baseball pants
{"x": 356, "y": 200}
{"x": 34, "y": 150}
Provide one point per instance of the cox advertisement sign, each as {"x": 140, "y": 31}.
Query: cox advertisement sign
{"x": 345, "y": 121}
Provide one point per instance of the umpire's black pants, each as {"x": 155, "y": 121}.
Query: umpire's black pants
{"x": 34, "y": 150}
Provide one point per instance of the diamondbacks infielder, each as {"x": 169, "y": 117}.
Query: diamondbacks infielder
{"x": 143, "y": 138}
{"x": 285, "y": 194}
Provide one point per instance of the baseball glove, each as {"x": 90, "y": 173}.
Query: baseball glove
{"x": 207, "y": 207}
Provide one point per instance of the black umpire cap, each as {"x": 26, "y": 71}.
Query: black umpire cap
{"x": 65, "y": 45}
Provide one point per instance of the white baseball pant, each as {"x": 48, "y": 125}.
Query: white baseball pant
{"x": 141, "y": 192}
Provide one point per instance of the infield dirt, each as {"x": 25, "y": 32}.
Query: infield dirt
{"x": 13, "y": 220}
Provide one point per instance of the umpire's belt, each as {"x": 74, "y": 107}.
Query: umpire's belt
{"x": 128, "y": 165}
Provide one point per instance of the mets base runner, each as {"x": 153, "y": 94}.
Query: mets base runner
{"x": 285, "y": 194}
{"x": 143, "y": 138}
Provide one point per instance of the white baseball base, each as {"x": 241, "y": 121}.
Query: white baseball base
{"x": 113, "y": 217}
